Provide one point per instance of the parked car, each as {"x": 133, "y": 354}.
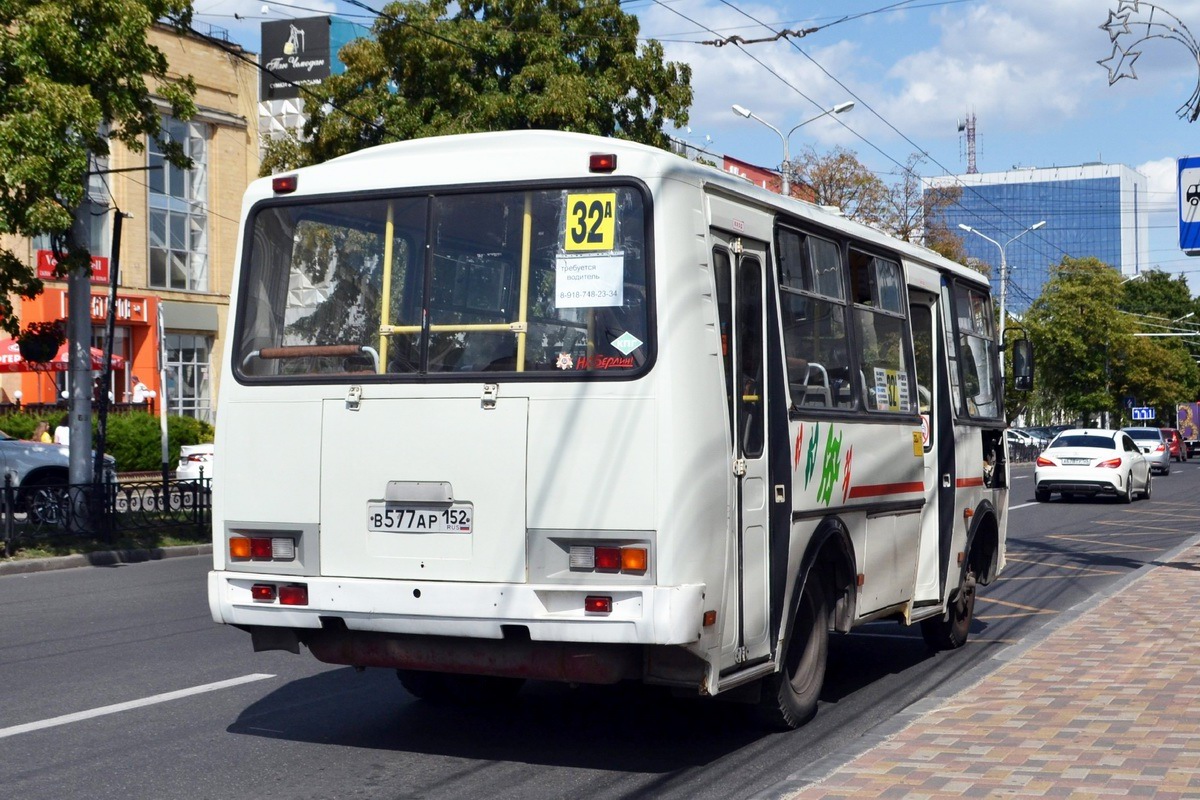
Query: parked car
{"x": 1154, "y": 446}
{"x": 1178, "y": 447}
{"x": 40, "y": 474}
{"x": 1092, "y": 461}
{"x": 195, "y": 460}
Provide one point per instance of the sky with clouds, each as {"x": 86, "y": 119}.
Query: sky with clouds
{"x": 1027, "y": 70}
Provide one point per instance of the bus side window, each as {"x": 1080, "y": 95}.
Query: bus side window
{"x": 814, "y": 320}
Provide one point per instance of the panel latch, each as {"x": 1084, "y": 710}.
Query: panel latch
{"x": 353, "y": 398}
{"x": 488, "y": 400}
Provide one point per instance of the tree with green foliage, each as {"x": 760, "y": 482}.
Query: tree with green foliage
{"x": 838, "y": 178}
{"x": 74, "y": 75}
{"x": 490, "y": 65}
{"x": 1088, "y": 355}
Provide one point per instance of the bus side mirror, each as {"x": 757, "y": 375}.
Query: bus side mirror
{"x": 1022, "y": 365}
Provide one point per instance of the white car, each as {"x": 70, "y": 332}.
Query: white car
{"x": 194, "y": 459}
{"x": 1091, "y": 461}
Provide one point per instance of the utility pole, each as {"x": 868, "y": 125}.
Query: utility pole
{"x": 79, "y": 337}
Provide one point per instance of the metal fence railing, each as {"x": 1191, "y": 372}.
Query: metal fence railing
{"x": 104, "y": 512}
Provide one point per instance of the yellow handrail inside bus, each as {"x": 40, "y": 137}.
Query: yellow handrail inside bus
{"x": 523, "y": 306}
{"x": 385, "y": 313}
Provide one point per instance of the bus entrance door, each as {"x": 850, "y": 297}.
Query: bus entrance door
{"x": 938, "y": 442}
{"x": 741, "y": 288}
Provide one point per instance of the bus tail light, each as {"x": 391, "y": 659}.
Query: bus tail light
{"x": 597, "y": 604}
{"x": 1112, "y": 463}
{"x": 295, "y": 594}
{"x": 262, "y": 548}
{"x": 609, "y": 558}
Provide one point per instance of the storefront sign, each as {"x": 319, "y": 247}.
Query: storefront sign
{"x": 126, "y": 309}
{"x": 46, "y": 262}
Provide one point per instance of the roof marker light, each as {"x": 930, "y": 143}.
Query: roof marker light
{"x": 284, "y": 184}
{"x": 602, "y": 162}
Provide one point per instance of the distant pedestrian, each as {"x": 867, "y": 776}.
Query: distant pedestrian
{"x": 140, "y": 390}
{"x": 62, "y": 434}
{"x": 42, "y": 432}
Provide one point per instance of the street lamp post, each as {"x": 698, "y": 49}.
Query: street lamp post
{"x": 742, "y": 111}
{"x": 1003, "y": 271}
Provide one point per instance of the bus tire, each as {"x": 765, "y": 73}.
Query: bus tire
{"x": 445, "y": 689}
{"x": 789, "y": 697}
{"x": 950, "y": 631}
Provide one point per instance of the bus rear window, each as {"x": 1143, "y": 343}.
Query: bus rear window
{"x": 549, "y": 281}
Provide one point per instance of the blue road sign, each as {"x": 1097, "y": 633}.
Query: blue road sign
{"x": 1189, "y": 205}
{"x": 1143, "y": 414}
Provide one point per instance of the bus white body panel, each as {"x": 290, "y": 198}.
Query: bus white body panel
{"x": 664, "y": 441}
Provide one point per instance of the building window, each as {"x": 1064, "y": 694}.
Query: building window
{"x": 179, "y": 211}
{"x": 189, "y": 387}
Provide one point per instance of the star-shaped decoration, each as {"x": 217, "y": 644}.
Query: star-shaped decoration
{"x": 1116, "y": 25}
{"x": 1128, "y": 5}
{"x": 1124, "y": 64}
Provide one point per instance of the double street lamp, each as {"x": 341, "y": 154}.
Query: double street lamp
{"x": 1003, "y": 270}
{"x": 742, "y": 111}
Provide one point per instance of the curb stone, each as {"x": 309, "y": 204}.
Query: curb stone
{"x": 101, "y": 558}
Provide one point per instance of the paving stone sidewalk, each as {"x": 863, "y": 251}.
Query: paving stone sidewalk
{"x": 1108, "y": 705}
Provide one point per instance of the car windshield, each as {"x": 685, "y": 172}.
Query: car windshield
{"x": 1084, "y": 440}
{"x": 1144, "y": 434}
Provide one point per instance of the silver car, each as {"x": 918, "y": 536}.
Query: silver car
{"x": 1154, "y": 447}
{"x": 39, "y": 474}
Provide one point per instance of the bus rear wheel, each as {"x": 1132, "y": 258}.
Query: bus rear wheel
{"x": 950, "y": 631}
{"x": 789, "y": 697}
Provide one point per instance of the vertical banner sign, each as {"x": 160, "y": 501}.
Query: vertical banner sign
{"x": 1189, "y": 205}
{"x": 295, "y": 53}
{"x": 163, "y": 399}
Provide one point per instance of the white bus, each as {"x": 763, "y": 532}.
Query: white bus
{"x": 538, "y": 405}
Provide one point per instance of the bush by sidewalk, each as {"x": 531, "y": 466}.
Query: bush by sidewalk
{"x": 133, "y": 437}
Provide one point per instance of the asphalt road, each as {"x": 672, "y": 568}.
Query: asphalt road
{"x": 114, "y": 683}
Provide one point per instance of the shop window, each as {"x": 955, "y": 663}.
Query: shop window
{"x": 189, "y": 370}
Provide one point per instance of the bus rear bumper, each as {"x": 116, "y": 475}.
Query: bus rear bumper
{"x": 640, "y": 615}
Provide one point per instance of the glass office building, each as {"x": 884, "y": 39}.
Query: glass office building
{"x": 1096, "y": 210}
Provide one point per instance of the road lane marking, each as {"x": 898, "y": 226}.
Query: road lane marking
{"x": 1023, "y": 505}
{"x": 78, "y": 716}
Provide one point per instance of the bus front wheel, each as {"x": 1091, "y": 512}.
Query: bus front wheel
{"x": 789, "y": 697}
{"x": 950, "y": 632}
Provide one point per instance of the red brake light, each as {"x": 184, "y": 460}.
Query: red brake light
{"x": 602, "y": 162}
{"x": 1112, "y": 463}
{"x": 608, "y": 558}
{"x": 260, "y": 548}
{"x": 263, "y": 591}
{"x": 1042, "y": 461}
{"x": 295, "y": 594}
{"x": 597, "y": 604}
{"x": 283, "y": 184}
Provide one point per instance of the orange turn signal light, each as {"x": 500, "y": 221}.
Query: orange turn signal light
{"x": 239, "y": 547}
{"x": 633, "y": 559}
